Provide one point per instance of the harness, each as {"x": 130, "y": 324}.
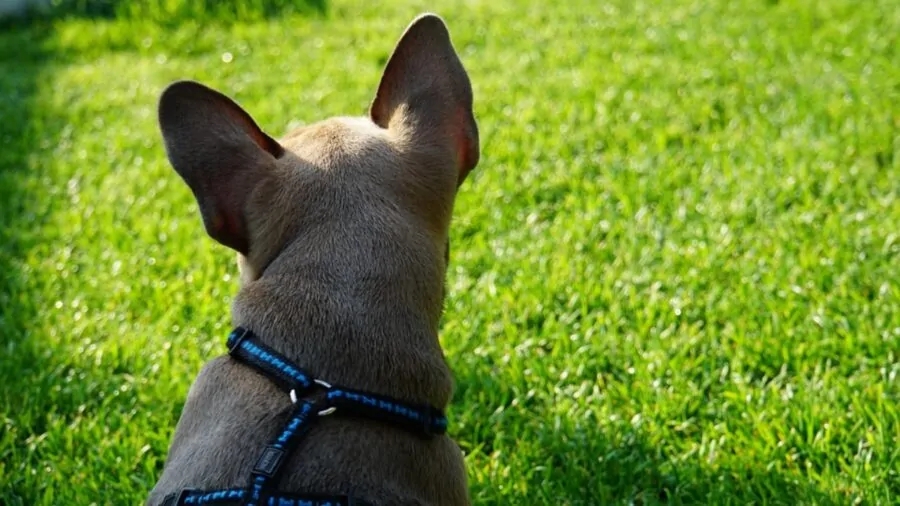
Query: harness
{"x": 313, "y": 399}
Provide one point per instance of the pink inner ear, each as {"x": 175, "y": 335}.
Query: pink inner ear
{"x": 227, "y": 229}
{"x": 462, "y": 150}
{"x": 463, "y": 143}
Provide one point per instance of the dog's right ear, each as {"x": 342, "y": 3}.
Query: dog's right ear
{"x": 220, "y": 152}
{"x": 425, "y": 92}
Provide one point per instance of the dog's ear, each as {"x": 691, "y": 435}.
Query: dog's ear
{"x": 220, "y": 152}
{"x": 425, "y": 93}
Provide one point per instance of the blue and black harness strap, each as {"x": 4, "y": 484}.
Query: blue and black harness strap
{"x": 313, "y": 399}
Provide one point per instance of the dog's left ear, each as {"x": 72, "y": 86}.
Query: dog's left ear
{"x": 425, "y": 94}
{"x": 220, "y": 152}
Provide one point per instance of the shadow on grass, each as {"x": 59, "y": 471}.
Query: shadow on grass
{"x": 25, "y": 365}
{"x": 45, "y": 387}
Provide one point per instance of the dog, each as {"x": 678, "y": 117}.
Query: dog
{"x": 341, "y": 232}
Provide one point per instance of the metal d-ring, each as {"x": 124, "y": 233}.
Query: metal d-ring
{"x": 326, "y": 412}
{"x": 327, "y": 386}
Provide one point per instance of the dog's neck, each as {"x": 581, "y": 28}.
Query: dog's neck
{"x": 352, "y": 330}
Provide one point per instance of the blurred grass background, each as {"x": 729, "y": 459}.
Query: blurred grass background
{"x": 674, "y": 273}
{"x": 21, "y": 12}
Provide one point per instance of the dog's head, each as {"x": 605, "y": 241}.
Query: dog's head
{"x": 395, "y": 171}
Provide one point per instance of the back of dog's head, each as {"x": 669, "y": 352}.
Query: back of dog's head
{"x": 348, "y": 196}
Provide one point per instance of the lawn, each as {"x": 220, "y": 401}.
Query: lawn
{"x": 674, "y": 275}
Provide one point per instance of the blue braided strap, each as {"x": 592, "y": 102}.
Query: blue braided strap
{"x": 424, "y": 419}
{"x": 235, "y": 495}
{"x": 217, "y": 496}
{"x": 268, "y": 467}
{"x": 243, "y": 345}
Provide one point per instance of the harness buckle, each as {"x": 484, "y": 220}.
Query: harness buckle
{"x": 269, "y": 462}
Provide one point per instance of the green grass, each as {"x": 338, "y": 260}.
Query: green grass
{"x": 674, "y": 274}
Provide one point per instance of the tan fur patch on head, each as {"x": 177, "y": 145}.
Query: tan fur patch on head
{"x": 336, "y": 140}
{"x": 247, "y": 272}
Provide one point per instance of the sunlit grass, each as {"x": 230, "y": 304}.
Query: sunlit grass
{"x": 674, "y": 274}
